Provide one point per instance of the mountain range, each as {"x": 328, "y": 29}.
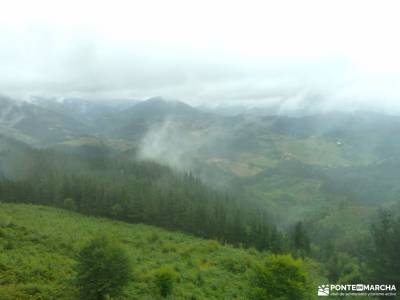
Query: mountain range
{"x": 257, "y": 153}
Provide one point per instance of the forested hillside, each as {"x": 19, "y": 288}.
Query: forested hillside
{"x": 136, "y": 192}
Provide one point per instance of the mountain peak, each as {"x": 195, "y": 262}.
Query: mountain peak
{"x": 164, "y": 106}
{"x": 165, "y": 102}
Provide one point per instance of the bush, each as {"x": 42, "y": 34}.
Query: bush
{"x": 153, "y": 237}
{"x": 103, "y": 269}
{"x": 5, "y": 220}
{"x": 164, "y": 279}
{"x": 280, "y": 277}
{"x": 70, "y": 204}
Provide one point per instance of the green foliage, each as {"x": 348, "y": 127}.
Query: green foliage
{"x": 4, "y": 220}
{"x": 343, "y": 268}
{"x": 300, "y": 240}
{"x": 164, "y": 279}
{"x": 31, "y": 265}
{"x": 281, "y": 277}
{"x": 103, "y": 269}
{"x": 46, "y": 243}
{"x": 384, "y": 258}
{"x": 70, "y": 204}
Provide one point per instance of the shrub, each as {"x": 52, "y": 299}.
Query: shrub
{"x": 103, "y": 269}
{"x": 280, "y": 277}
{"x": 153, "y": 237}
{"x": 5, "y": 220}
{"x": 164, "y": 279}
{"x": 70, "y": 204}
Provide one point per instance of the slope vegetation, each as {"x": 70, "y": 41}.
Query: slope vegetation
{"x": 39, "y": 247}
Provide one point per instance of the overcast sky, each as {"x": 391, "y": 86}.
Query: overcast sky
{"x": 335, "y": 53}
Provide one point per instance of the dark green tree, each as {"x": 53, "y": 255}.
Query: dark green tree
{"x": 384, "y": 258}
{"x": 301, "y": 241}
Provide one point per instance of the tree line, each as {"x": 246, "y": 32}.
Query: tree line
{"x": 136, "y": 192}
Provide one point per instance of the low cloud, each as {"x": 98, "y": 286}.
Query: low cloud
{"x": 168, "y": 143}
{"x": 249, "y": 53}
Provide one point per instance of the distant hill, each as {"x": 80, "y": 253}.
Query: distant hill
{"x": 221, "y": 147}
{"x": 135, "y": 121}
{"x": 364, "y": 131}
{"x": 44, "y": 126}
{"x": 85, "y": 111}
{"x": 156, "y": 108}
{"x": 339, "y": 124}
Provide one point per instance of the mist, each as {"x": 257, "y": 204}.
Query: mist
{"x": 169, "y": 144}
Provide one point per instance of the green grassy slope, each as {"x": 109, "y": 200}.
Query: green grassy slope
{"x": 38, "y": 248}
